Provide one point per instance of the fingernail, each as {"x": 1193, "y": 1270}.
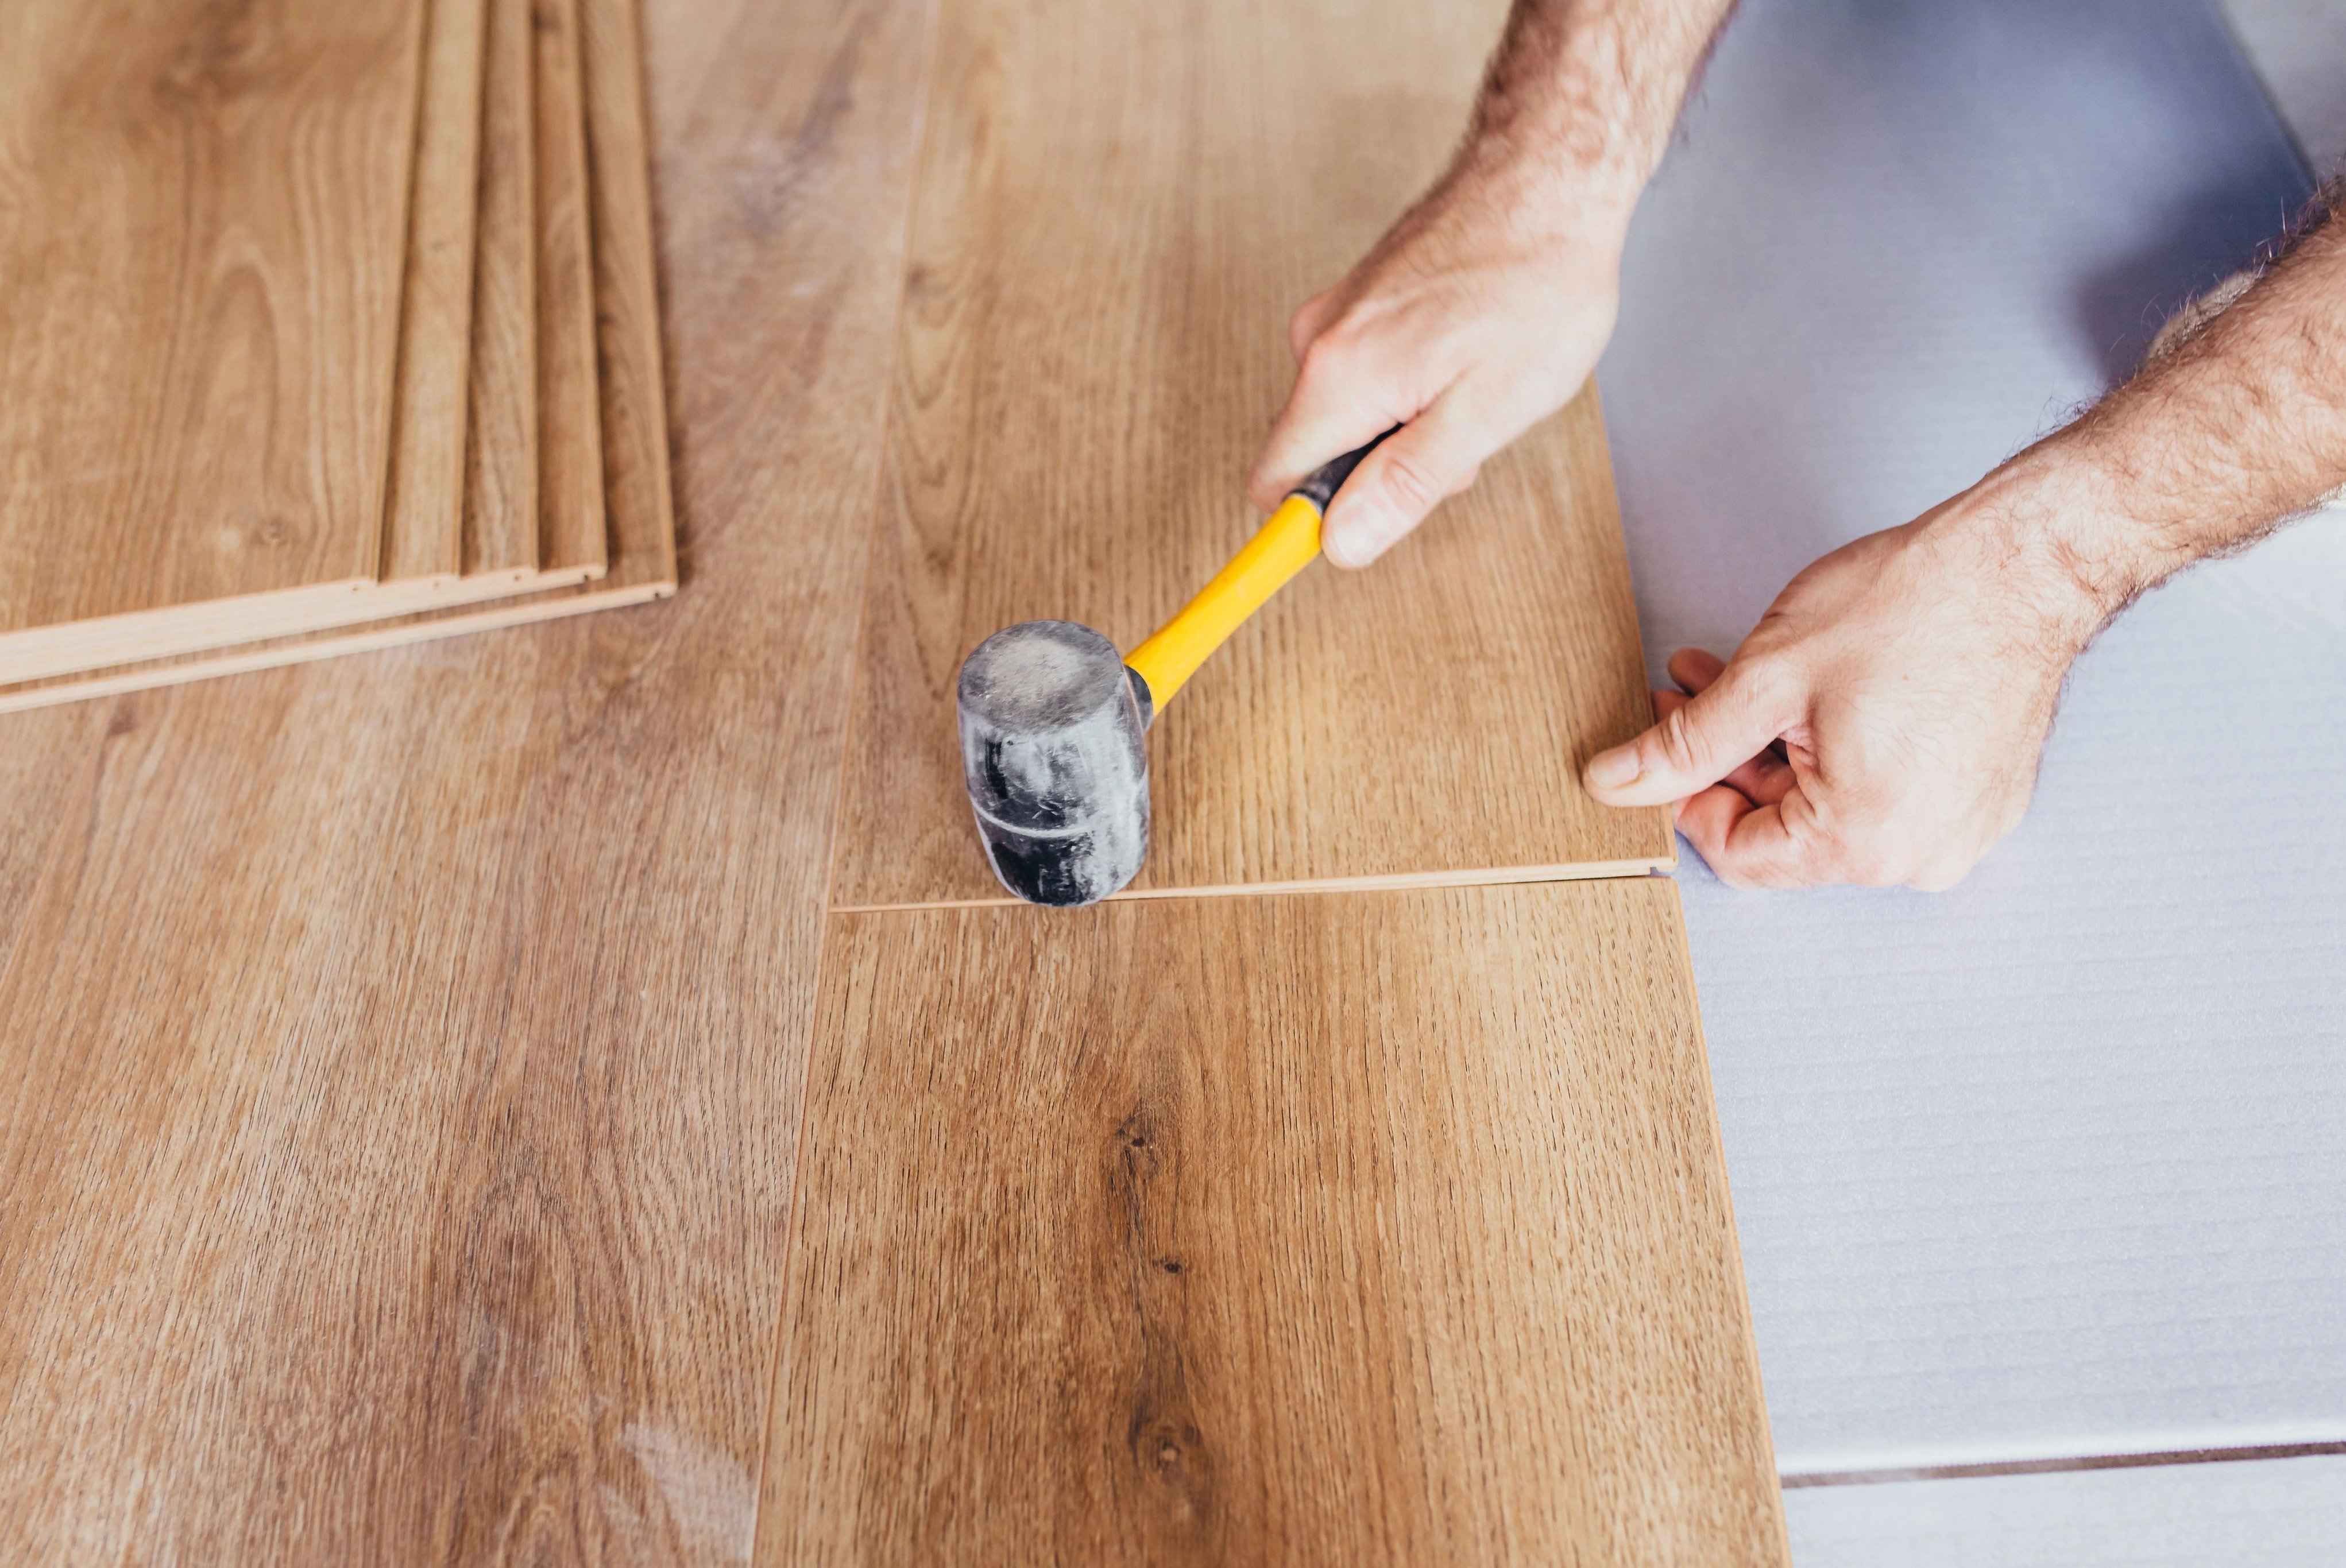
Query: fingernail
{"x": 1611, "y": 770}
{"x": 1339, "y": 549}
{"x": 1348, "y": 538}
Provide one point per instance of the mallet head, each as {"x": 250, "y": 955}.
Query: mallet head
{"x": 1051, "y": 724}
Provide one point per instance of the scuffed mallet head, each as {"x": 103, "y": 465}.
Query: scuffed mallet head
{"x": 1051, "y": 724}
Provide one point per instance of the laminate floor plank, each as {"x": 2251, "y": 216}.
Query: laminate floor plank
{"x": 404, "y": 1056}
{"x": 633, "y": 402}
{"x": 1346, "y": 1229}
{"x": 626, "y": 556}
{"x": 572, "y": 518}
{"x": 202, "y": 216}
{"x": 501, "y": 447}
{"x": 423, "y": 522}
{"x": 463, "y": 524}
{"x": 1119, "y": 207}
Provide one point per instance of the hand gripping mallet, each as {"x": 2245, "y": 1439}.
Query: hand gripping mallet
{"x": 1051, "y": 719}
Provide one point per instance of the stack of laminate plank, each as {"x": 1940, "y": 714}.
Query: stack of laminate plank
{"x": 324, "y": 328}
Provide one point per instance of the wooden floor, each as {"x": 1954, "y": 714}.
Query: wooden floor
{"x": 1343, "y": 1228}
{"x": 447, "y": 1122}
{"x": 1118, "y": 207}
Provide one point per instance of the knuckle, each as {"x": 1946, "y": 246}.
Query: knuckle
{"x": 1411, "y": 480}
{"x": 1303, "y": 326}
{"x": 1875, "y": 859}
{"x": 1336, "y": 346}
{"x": 1674, "y": 741}
{"x": 1771, "y": 683}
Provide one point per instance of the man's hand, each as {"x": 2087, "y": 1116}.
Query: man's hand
{"x": 1479, "y": 315}
{"x": 1884, "y": 722}
{"x": 1485, "y": 308}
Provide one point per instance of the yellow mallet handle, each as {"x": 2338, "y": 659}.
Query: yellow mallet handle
{"x": 1281, "y": 548}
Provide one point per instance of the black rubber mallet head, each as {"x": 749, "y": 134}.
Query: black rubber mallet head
{"x": 1052, "y": 717}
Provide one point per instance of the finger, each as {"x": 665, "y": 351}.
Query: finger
{"x": 1727, "y": 723}
{"x": 1708, "y": 815}
{"x": 1763, "y": 780}
{"x": 1695, "y": 669}
{"x": 1750, "y": 846}
{"x": 1341, "y": 400}
{"x": 1428, "y": 460}
{"x": 1752, "y": 781}
{"x": 1310, "y": 320}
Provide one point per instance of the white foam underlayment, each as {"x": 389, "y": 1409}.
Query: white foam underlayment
{"x": 2053, "y": 1165}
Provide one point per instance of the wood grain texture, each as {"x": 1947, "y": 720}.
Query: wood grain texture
{"x": 1344, "y": 1228}
{"x": 634, "y": 431}
{"x": 1119, "y": 206}
{"x": 201, "y": 219}
{"x": 626, "y": 555}
{"x": 460, "y": 525}
{"x": 500, "y": 521}
{"x": 571, "y": 522}
{"x": 404, "y": 1055}
{"x": 424, "y": 503}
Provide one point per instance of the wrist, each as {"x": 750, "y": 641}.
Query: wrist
{"x": 2050, "y": 525}
{"x": 1499, "y": 198}
{"x": 1543, "y": 192}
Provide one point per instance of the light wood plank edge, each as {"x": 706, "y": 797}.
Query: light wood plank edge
{"x": 374, "y": 544}
{"x": 501, "y": 523}
{"x": 1709, "y": 1090}
{"x": 373, "y": 640}
{"x": 290, "y": 612}
{"x": 424, "y": 507}
{"x": 166, "y": 631}
{"x": 634, "y": 425}
{"x": 1412, "y": 882}
{"x": 572, "y": 522}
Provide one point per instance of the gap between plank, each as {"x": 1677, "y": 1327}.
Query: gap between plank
{"x": 2051, "y": 1466}
{"x": 1406, "y": 882}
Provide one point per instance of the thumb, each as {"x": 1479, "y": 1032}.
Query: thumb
{"x": 1339, "y": 401}
{"x": 1433, "y": 456}
{"x": 1695, "y": 745}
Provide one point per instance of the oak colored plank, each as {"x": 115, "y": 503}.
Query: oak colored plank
{"x": 501, "y": 457}
{"x": 626, "y": 553}
{"x": 424, "y": 505}
{"x": 404, "y": 1053}
{"x": 434, "y": 551}
{"x": 1343, "y": 1228}
{"x": 571, "y": 521}
{"x": 460, "y": 523}
{"x": 1119, "y": 207}
{"x": 633, "y": 402}
{"x": 203, "y": 212}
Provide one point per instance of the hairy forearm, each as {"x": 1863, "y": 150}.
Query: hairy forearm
{"x": 2239, "y": 427}
{"x": 1583, "y": 91}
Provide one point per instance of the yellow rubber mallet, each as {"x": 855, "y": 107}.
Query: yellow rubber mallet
{"x": 1052, "y": 719}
